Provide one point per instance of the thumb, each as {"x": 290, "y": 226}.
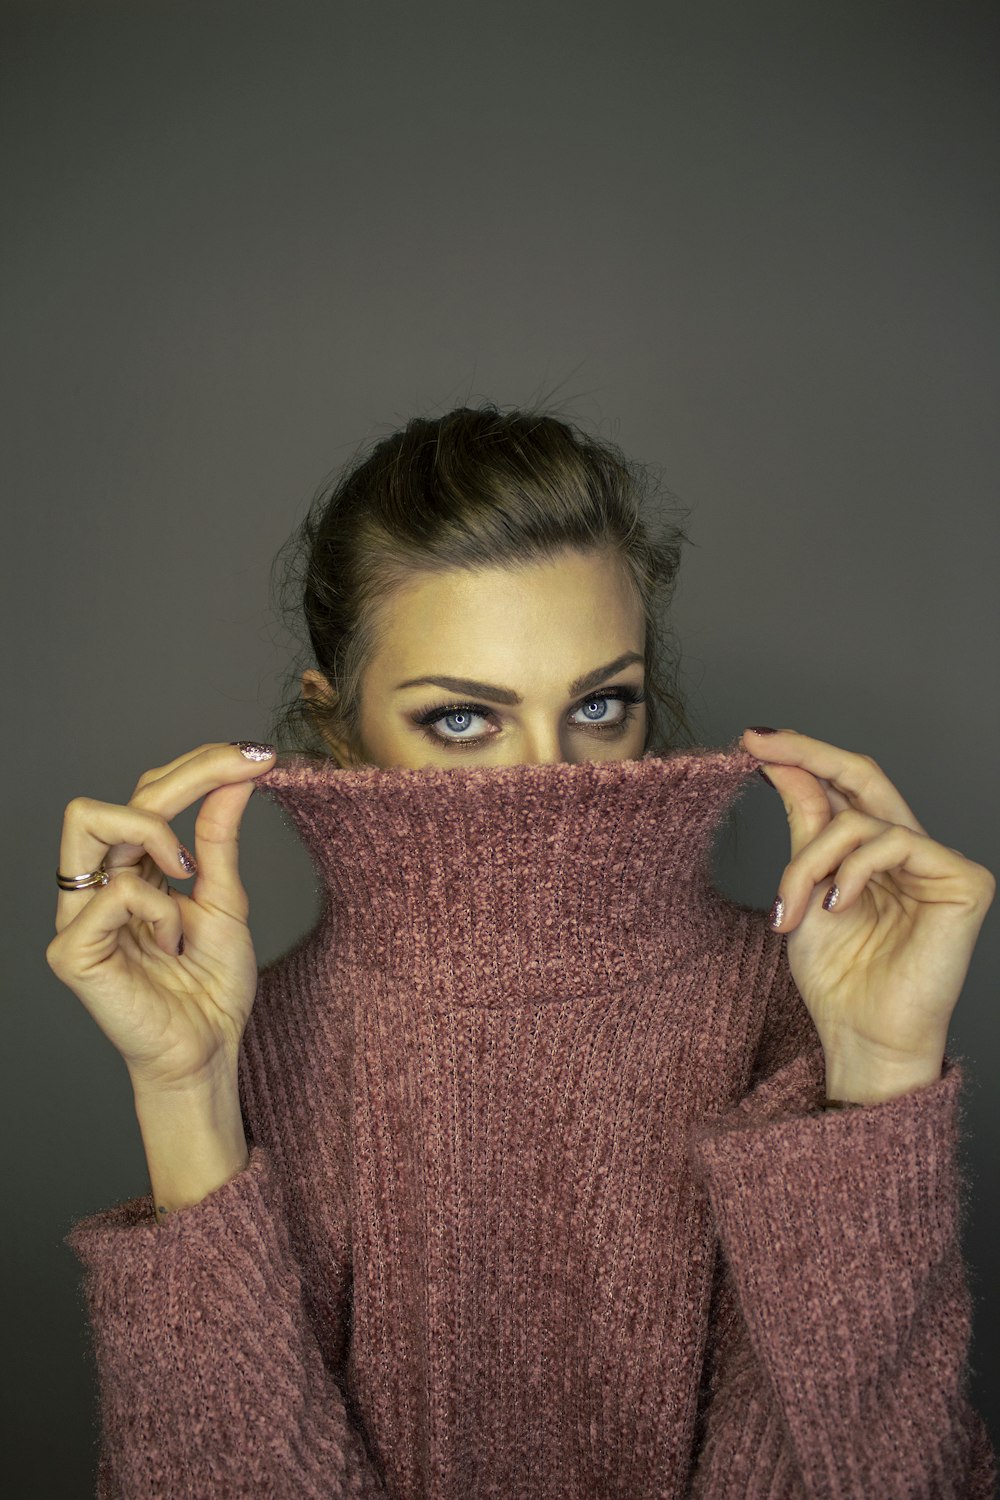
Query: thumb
{"x": 217, "y": 842}
{"x": 807, "y": 806}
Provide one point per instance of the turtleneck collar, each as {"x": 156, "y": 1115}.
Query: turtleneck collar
{"x": 495, "y": 884}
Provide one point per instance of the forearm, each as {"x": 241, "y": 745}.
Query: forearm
{"x": 194, "y": 1142}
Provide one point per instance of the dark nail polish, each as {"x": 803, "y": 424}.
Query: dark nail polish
{"x": 760, "y": 729}
{"x": 180, "y": 945}
{"x": 762, "y": 772}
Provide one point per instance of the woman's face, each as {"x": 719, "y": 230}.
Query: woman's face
{"x": 534, "y": 658}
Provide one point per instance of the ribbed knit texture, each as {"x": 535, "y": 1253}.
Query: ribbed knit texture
{"x": 539, "y": 1205}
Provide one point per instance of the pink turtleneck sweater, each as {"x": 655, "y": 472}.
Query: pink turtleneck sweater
{"x": 539, "y": 1205}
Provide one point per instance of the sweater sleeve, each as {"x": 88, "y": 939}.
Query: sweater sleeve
{"x": 841, "y": 1312}
{"x": 212, "y": 1379}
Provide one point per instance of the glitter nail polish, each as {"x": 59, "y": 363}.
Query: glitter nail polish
{"x": 253, "y": 750}
{"x": 777, "y": 912}
{"x": 831, "y": 898}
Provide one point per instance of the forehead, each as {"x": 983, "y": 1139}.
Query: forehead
{"x": 554, "y": 619}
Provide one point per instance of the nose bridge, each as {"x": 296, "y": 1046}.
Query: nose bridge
{"x": 543, "y": 742}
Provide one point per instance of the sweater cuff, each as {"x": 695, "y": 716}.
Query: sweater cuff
{"x": 831, "y": 1197}
{"x": 131, "y": 1228}
{"x": 776, "y": 1140}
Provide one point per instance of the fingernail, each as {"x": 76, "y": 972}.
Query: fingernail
{"x": 762, "y": 772}
{"x": 186, "y": 860}
{"x": 777, "y": 912}
{"x": 180, "y": 945}
{"x": 831, "y": 898}
{"x": 253, "y": 750}
{"x": 760, "y": 729}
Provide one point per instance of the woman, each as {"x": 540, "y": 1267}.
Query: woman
{"x": 539, "y": 1167}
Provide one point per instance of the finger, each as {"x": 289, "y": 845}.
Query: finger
{"x": 806, "y": 803}
{"x": 226, "y": 772}
{"x": 216, "y": 833}
{"x": 170, "y": 789}
{"x": 821, "y": 857}
{"x": 157, "y": 773}
{"x": 216, "y": 762}
{"x": 91, "y": 829}
{"x": 838, "y": 802}
{"x": 95, "y": 932}
{"x": 855, "y": 776}
{"x": 920, "y": 866}
{"x": 164, "y": 791}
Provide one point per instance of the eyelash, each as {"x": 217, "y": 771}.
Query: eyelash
{"x": 426, "y": 718}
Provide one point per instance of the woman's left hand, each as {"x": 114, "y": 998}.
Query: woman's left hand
{"x": 882, "y": 970}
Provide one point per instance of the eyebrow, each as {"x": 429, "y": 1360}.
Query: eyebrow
{"x": 506, "y": 695}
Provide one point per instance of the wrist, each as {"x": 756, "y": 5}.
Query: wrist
{"x": 858, "y": 1080}
{"x": 194, "y": 1142}
{"x": 220, "y": 1075}
{"x": 208, "y": 1103}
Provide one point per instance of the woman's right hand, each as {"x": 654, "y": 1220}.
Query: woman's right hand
{"x": 176, "y": 1019}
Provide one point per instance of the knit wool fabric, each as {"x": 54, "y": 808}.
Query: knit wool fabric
{"x": 539, "y": 1202}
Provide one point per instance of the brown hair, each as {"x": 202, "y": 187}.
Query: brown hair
{"x": 475, "y": 488}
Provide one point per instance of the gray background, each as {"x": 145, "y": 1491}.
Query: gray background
{"x": 755, "y": 244}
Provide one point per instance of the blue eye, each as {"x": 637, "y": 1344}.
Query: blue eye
{"x": 460, "y": 712}
{"x": 605, "y": 700}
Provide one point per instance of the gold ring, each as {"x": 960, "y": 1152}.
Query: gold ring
{"x": 99, "y": 876}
